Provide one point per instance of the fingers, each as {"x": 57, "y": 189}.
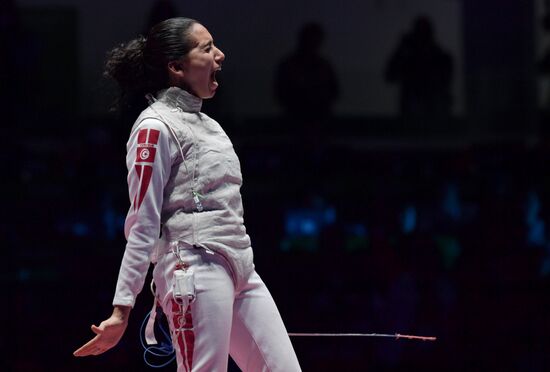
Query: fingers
{"x": 107, "y": 335}
{"x": 98, "y": 350}
{"x": 92, "y": 347}
{"x": 103, "y": 341}
{"x": 89, "y": 350}
{"x": 82, "y": 351}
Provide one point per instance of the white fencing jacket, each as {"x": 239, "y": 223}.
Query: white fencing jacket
{"x": 161, "y": 186}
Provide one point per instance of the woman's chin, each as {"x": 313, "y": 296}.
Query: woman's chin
{"x": 209, "y": 94}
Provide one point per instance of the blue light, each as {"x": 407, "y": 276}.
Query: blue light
{"x": 536, "y": 228}
{"x": 408, "y": 219}
{"x": 358, "y": 229}
{"x": 451, "y": 202}
{"x": 80, "y": 229}
{"x": 23, "y": 275}
{"x": 330, "y": 216}
{"x": 309, "y": 227}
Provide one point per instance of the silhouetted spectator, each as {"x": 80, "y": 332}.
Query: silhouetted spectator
{"x": 424, "y": 72}
{"x": 305, "y": 82}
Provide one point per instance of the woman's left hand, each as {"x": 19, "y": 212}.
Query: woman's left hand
{"x": 108, "y": 334}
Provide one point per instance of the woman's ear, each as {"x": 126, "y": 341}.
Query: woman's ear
{"x": 175, "y": 70}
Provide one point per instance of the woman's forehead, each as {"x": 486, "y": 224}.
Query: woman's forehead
{"x": 200, "y": 34}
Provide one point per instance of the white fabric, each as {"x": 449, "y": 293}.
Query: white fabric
{"x": 211, "y": 167}
{"x": 233, "y": 311}
{"x": 142, "y": 226}
{"x": 231, "y": 315}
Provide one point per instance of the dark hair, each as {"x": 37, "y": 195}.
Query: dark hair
{"x": 140, "y": 65}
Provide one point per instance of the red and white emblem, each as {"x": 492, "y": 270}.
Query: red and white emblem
{"x": 145, "y": 157}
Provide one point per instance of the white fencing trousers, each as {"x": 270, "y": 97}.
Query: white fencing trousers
{"x": 236, "y": 317}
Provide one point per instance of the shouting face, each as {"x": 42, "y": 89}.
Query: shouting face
{"x": 197, "y": 71}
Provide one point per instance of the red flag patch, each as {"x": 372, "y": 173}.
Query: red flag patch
{"x": 145, "y": 153}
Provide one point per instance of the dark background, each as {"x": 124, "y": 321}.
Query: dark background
{"x": 362, "y": 220}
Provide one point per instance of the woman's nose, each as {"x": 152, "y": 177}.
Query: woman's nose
{"x": 219, "y": 55}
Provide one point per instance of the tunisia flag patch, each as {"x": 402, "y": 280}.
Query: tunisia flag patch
{"x": 145, "y": 157}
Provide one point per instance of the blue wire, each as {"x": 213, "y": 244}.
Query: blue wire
{"x": 164, "y": 350}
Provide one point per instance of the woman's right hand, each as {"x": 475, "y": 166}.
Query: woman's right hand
{"x": 108, "y": 333}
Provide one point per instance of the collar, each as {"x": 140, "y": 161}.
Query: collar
{"x": 177, "y": 97}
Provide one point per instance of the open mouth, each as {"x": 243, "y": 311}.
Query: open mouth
{"x": 214, "y": 73}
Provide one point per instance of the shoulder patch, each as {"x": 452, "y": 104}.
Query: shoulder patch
{"x": 145, "y": 156}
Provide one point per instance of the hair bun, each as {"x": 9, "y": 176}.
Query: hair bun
{"x": 139, "y": 66}
{"x": 125, "y": 64}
